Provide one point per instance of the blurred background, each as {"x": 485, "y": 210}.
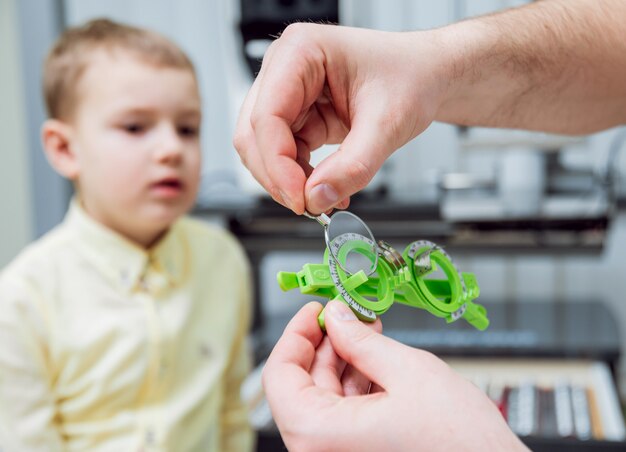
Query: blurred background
{"x": 539, "y": 219}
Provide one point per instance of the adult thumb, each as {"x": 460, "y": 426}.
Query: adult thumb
{"x": 379, "y": 358}
{"x": 347, "y": 170}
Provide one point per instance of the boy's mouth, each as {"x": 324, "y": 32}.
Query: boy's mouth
{"x": 168, "y": 187}
{"x": 174, "y": 183}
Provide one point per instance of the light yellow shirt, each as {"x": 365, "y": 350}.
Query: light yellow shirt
{"x": 107, "y": 347}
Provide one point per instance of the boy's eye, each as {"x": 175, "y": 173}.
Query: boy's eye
{"x": 188, "y": 131}
{"x": 134, "y": 128}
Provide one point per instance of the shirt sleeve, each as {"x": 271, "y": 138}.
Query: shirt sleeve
{"x": 237, "y": 434}
{"x": 27, "y": 406}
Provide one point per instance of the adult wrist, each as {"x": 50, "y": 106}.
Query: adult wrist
{"x": 467, "y": 50}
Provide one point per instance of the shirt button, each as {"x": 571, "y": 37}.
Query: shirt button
{"x": 205, "y": 350}
{"x": 124, "y": 277}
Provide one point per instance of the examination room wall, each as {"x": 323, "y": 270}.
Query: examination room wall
{"x": 206, "y": 31}
{"x": 15, "y": 207}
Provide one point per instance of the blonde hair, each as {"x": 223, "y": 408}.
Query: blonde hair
{"x": 71, "y": 54}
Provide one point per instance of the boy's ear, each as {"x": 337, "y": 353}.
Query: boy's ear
{"x": 56, "y": 137}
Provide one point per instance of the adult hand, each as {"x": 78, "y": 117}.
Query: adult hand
{"x": 555, "y": 66}
{"x": 415, "y": 402}
{"x": 324, "y": 84}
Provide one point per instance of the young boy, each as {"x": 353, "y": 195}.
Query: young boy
{"x": 123, "y": 329}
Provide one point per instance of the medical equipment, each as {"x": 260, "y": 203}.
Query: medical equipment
{"x": 370, "y": 290}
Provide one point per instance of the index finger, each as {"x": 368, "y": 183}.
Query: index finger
{"x": 245, "y": 142}
{"x": 292, "y": 78}
{"x": 286, "y": 372}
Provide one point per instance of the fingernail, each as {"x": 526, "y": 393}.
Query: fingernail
{"x": 340, "y": 311}
{"x": 285, "y": 198}
{"x": 322, "y": 197}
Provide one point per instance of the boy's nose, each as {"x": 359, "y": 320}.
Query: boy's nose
{"x": 170, "y": 146}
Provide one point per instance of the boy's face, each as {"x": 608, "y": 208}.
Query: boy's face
{"x": 135, "y": 135}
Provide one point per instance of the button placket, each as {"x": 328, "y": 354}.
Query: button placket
{"x": 150, "y": 437}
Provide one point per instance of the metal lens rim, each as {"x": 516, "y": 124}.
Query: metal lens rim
{"x": 372, "y": 270}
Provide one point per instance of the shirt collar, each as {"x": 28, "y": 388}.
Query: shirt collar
{"x": 120, "y": 259}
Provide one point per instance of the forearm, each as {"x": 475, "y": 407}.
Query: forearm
{"x": 555, "y": 66}
{"x": 236, "y": 432}
{"x": 28, "y": 411}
